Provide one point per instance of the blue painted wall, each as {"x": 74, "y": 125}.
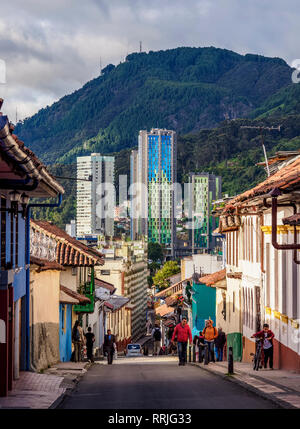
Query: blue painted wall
{"x": 203, "y": 306}
{"x": 19, "y": 282}
{"x": 65, "y": 332}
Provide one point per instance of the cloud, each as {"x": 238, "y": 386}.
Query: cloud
{"x": 53, "y": 48}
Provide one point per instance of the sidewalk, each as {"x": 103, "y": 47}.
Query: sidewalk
{"x": 36, "y": 390}
{"x": 280, "y": 386}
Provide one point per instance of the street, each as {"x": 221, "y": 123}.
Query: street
{"x": 157, "y": 383}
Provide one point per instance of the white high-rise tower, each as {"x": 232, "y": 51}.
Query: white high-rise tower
{"x": 101, "y": 170}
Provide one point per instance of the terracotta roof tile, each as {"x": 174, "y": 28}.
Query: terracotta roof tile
{"x": 44, "y": 264}
{"x": 292, "y": 220}
{"x": 85, "y": 256}
{"x": 211, "y": 279}
{"x": 81, "y": 298}
{"x": 283, "y": 178}
{"x": 105, "y": 285}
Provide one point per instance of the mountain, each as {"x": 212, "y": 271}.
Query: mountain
{"x": 185, "y": 89}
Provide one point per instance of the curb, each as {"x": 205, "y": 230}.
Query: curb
{"x": 58, "y": 401}
{"x": 279, "y": 402}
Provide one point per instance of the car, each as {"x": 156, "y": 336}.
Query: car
{"x": 133, "y": 350}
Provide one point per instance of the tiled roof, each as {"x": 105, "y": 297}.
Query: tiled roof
{"x": 288, "y": 176}
{"x": 116, "y": 302}
{"x": 24, "y": 161}
{"x": 105, "y": 285}
{"x": 211, "y": 279}
{"x": 69, "y": 251}
{"x": 44, "y": 264}
{"x": 164, "y": 309}
{"x": 171, "y": 300}
{"x": 292, "y": 220}
{"x": 234, "y": 275}
{"x": 81, "y": 298}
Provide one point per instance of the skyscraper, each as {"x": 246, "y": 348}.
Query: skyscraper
{"x": 154, "y": 167}
{"x": 204, "y": 189}
{"x": 100, "y": 169}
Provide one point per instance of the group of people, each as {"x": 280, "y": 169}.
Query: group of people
{"x": 212, "y": 338}
{"x": 81, "y": 339}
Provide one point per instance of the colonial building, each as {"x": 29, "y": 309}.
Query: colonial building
{"x": 62, "y": 288}
{"x": 262, "y": 239}
{"x": 22, "y": 176}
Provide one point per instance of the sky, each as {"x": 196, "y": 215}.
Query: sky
{"x": 50, "y": 48}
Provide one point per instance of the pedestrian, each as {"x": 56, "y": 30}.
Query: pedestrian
{"x": 210, "y": 333}
{"x": 109, "y": 346}
{"x": 76, "y": 341}
{"x": 156, "y": 335}
{"x": 201, "y": 346}
{"x": 90, "y": 338}
{"x": 82, "y": 342}
{"x": 196, "y": 345}
{"x": 183, "y": 333}
{"x": 266, "y": 336}
{"x": 170, "y": 333}
{"x": 219, "y": 344}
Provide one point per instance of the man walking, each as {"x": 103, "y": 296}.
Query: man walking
{"x": 76, "y": 342}
{"x": 266, "y": 336}
{"x": 183, "y": 334}
{"x": 90, "y": 338}
{"x": 220, "y": 343}
{"x": 109, "y": 346}
{"x": 210, "y": 333}
{"x": 156, "y": 335}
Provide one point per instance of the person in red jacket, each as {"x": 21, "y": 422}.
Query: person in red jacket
{"x": 266, "y": 336}
{"x": 183, "y": 334}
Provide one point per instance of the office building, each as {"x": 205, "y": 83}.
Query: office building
{"x": 94, "y": 170}
{"x": 154, "y": 167}
{"x": 204, "y": 189}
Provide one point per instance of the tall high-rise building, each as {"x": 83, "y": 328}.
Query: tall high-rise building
{"x": 204, "y": 189}
{"x": 96, "y": 170}
{"x": 154, "y": 168}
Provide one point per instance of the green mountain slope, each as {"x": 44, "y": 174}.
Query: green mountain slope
{"x": 185, "y": 89}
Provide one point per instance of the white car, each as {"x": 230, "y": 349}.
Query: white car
{"x": 133, "y": 350}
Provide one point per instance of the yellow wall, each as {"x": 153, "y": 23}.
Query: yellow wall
{"x": 45, "y": 292}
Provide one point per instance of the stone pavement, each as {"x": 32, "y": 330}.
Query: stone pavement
{"x": 282, "y": 387}
{"x": 36, "y": 390}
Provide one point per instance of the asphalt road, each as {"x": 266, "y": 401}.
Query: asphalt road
{"x": 157, "y": 383}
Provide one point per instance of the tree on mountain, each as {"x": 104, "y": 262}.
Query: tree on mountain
{"x": 161, "y": 277}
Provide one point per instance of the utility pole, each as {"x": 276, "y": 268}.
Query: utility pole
{"x": 260, "y": 128}
{"x": 140, "y": 47}
{"x": 100, "y": 67}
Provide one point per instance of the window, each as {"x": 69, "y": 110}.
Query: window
{"x": 105, "y": 272}
{"x": 74, "y": 271}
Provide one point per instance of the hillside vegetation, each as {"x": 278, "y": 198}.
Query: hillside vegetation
{"x": 185, "y": 89}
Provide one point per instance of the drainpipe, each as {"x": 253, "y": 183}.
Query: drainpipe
{"x": 27, "y": 261}
{"x": 295, "y": 246}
